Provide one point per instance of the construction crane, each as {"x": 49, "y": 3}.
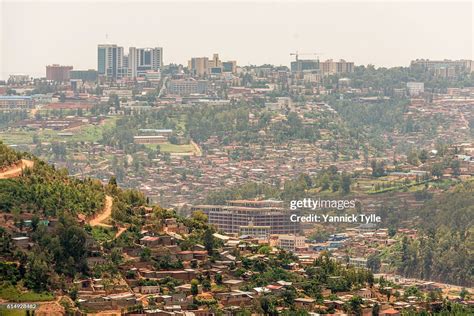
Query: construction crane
{"x": 296, "y": 54}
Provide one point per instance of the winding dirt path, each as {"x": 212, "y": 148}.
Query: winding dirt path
{"x": 15, "y": 170}
{"x": 106, "y": 213}
{"x": 120, "y": 231}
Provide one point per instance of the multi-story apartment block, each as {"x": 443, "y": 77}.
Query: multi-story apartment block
{"x": 238, "y": 214}
{"x": 330, "y": 67}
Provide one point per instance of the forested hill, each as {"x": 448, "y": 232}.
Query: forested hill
{"x": 443, "y": 251}
{"x": 8, "y": 156}
{"x": 46, "y": 191}
{"x": 43, "y": 194}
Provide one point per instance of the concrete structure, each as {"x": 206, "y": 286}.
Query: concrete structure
{"x": 143, "y": 60}
{"x": 238, "y": 213}
{"x": 330, "y": 67}
{"x": 155, "y": 139}
{"x": 58, "y": 73}
{"x": 290, "y": 242}
{"x": 14, "y": 102}
{"x": 204, "y": 66}
{"x": 198, "y": 66}
{"x": 358, "y": 262}
{"x": 90, "y": 75}
{"x": 415, "y": 88}
{"x": 444, "y": 68}
{"x": 259, "y": 232}
{"x": 301, "y": 65}
{"x": 110, "y": 61}
{"x": 187, "y": 86}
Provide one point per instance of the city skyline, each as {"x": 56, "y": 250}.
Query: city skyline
{"x": 373, "y": 36}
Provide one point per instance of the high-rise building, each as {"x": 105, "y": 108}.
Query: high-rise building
{"x": 113, "y": 64}
{"x": 143, "y": 60}
{"x": 58, "y": 73}
{"x": 198, "y": 66}
{"x": 110, "y": 61}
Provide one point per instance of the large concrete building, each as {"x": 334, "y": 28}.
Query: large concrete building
{"x": 330, "y": 67}
{"x": 114, "y": 65}
{"x": 110, "y": 61}
{"x": 84, "y": 75}
{"x": 238, "y": 215}
{"x": 444, "y": 68}
{"x": 290, "y": 242}
{"x": 143, "y": 60}
{"x": 301, "y": 65}
{"x": 187, "y": 86}
{"x": 58, "y": 73}
{"x": 204, "y": 66}
{"x": 15, "y": 102}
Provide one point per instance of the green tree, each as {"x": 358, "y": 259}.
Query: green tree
{"x": 345, "y": 183}
{"x": 194, "y": 287}
{"x": 37, "y": 273}
{"x": 209, "y": 241}
{"x": 437, "y": 170}
{"x": 374, "y": 263}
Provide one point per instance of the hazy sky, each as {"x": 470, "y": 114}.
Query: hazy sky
{"x": 36, "y": 33}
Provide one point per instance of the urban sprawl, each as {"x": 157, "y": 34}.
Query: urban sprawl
{"x": 208, "y": 188}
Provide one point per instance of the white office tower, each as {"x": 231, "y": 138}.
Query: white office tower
{"x": 143, "y": 60}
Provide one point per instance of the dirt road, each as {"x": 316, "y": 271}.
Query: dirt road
{"x": 106, "y": 213}
{"x": 15, "y": 170}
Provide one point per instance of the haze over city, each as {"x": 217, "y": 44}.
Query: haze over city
{"x": 237, "y": 158}
{"x": 35, "y": 34}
